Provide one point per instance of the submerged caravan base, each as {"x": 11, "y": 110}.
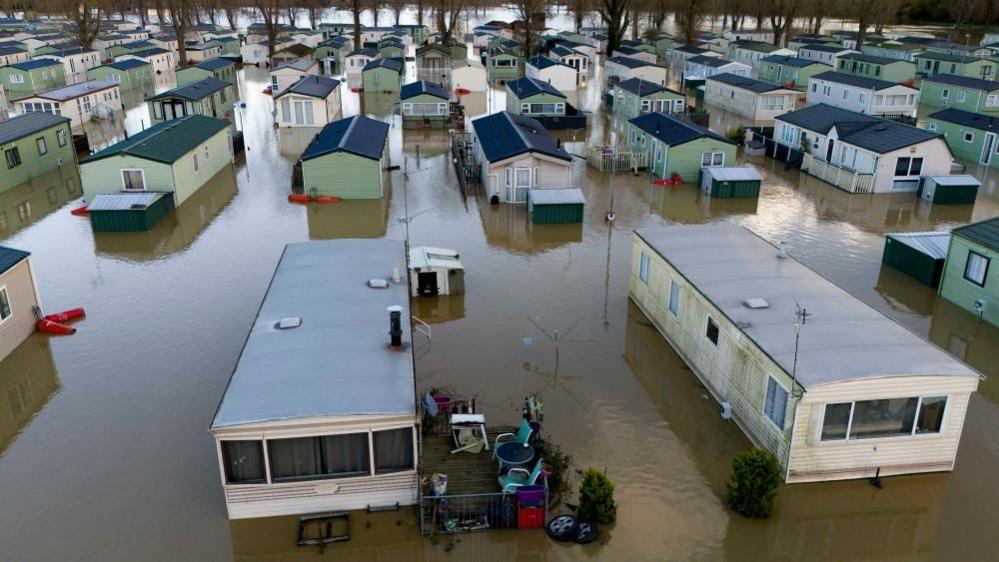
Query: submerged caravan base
{"x": 320, "y": 412}
{"x": 856, "y": 395}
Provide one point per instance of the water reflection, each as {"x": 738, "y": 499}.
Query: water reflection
{"x": 509, "y": 227}
{"x": 349, "y": 219}
{"x": 27, "y": 380}
{"x": 379, "y": 104}
{"x": 439, "y": 309}
{"x": 688, "y": 204}
{"x": 178, "y": 230}
{"x": 292, "y": 141}
{"x": 33, "y": 200}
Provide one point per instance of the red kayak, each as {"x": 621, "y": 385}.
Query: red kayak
{"x": 51, "y": 327}
{"x": 67, "y": 315}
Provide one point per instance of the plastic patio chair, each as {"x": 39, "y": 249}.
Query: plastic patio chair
{"x": 522, "y": 436}
{"x": 518, "y": 477}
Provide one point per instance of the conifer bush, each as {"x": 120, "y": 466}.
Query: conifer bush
{"x": 756, "y": 474}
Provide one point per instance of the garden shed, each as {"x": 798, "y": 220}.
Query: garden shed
{"x": 435, "y": 271}
{"x": 730, "y": 183}
{"x": 949, "y": 190}
{"x": 919, "y": 255}
{"x": 128, "y": 212}
{"x": 556, "y": 206}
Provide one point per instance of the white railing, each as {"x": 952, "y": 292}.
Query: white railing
{"x": 843, "y": 178}
{"x": 607, "y": 159}
{"x": 421, "y": 327}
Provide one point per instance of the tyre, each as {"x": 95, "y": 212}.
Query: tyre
{"x": 586, "y": 532}
{"x": 562, "y": 528}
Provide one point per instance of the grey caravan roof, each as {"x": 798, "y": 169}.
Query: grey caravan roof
{"x": 844, "y": 339}
{"x": 338, "y": 362}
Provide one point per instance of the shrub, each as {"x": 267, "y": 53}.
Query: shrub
{"x": 561, "y": 465}
{"x": 596, "y": 497}
{"x": 753, "y": 487}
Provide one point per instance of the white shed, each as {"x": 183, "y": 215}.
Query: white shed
{"x": 435, "y": 271}
{"x": 469, "y": 75}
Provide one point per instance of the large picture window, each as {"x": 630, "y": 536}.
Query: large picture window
{"x": 393, "y": 450}
{"x": 888, "y": 417}
{"x": 244, "y": 462}
{"x": 328, "y": 456}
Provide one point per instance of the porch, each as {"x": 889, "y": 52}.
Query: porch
{"x": 607, "y": 159}
{"x": 843, "y": 178}
{"x": 473, "y": 499}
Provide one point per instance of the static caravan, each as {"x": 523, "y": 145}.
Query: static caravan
{"x": 633, "y": 53}
{"x": 793, "y": 72}
{"x": 752, "y": 52}
{"x": 682, "y": 53}
{"x": 219, "y": 68}
{"x": 634, "y": 97}
{"x": 881, "y": 68}
{"x": 970, "y": 136}
{"x": 18, "y": 298}
{"x": 579, "y": 61}
{"x": 619, "y": 69}
{"x": 856, "y": 395}
{"x": 435, "y": 271}
{"x": 425, "y": 105}
{"x": 161, "y": 59}
{"x": 312, "y": 101}
{"x": 748, "y": 97}
{"x": 970, "y": 279}
{"x": 177, "y": 157}
{"x": 209, "y": 97}
{"x": 382, "y": 75}
{"x": 33, "y": 144}
{"x": 80, "y": 102}
{"x": 286, "y": 73}
{"x": 699, "y": 68}
{"x": 677, "y": 147}
{"x": 960, "y": 92}
{"x": 516, "y": 154}
{"x": 356, "y": 60}
{"x": 130, "y": 74}
{"x": 347, "y": 159}
{"x": 23, "y": 79}
{"x": 560, "y": 75}
{"x": 930, "y": 63}
{"x": 863, "y": 154}
{"x": 75, "y": 62}
{"x": 861, "y": 94}
{"x": 303, "y": 428}
{"x": 826, "y": 54}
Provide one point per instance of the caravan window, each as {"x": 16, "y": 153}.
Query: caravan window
{"x": 890, "y": 417}
{"x": 310, "y": 458}
{"x": 393, "y": 450}
{"x": 976, "y": 268}
{"x": 244, "y": 462}
{"x": 775, "y": 402}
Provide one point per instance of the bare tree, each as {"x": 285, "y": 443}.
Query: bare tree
{"x": 447, "y": 14}
{"x": 528, "y": 11}
{"x": 270, "y": 13}
{"x": 579, "y": 9}
{"x": 782, "y": 14}
{"x": 231, "y": 10}
{"x": 315, "y": 9}
{"x": 690, "y": 14}
{"x": 355, "y": 7}
{"x": 180, "y": 19}
{"x": 85, "y": 15}
{"x": 614, "y": 14}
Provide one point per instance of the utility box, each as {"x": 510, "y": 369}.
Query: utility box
{"x": 949, "y": 190}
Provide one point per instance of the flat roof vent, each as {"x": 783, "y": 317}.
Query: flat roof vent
{"x": 289, "y": 322}
{"x": 756, "y": 303}
{"x": 378, "y": 283}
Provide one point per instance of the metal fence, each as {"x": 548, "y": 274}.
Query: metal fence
{"x": 463, "y": 513}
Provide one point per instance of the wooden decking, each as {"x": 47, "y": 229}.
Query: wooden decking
{"x": 467, "y": 473}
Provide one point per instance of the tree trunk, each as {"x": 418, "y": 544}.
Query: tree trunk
{"x": 634, "y": 24}
{"x": 374, "y": 15}
{"x": 230, "y": 16}
{"x": 357, "y": 24}
{"x": 419, "y": 12}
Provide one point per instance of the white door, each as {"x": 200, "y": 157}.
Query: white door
{"x": 987, "y": 148}
{"x": 522, "y": 183}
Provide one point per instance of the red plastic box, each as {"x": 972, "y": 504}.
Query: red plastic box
{"x": 530, "y": 517}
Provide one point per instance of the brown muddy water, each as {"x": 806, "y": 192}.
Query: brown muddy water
{"x": 104, "y": 452}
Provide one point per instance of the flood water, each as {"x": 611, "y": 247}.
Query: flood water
{"x": 104, "y": 449}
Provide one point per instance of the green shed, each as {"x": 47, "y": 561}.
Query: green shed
{"x": 128, "y": 212}
{"x": 919, "y": 255}
{"x": 949, "y": 190}
{"x": 556, "y": 206}
{"x": 731, "y": 183}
